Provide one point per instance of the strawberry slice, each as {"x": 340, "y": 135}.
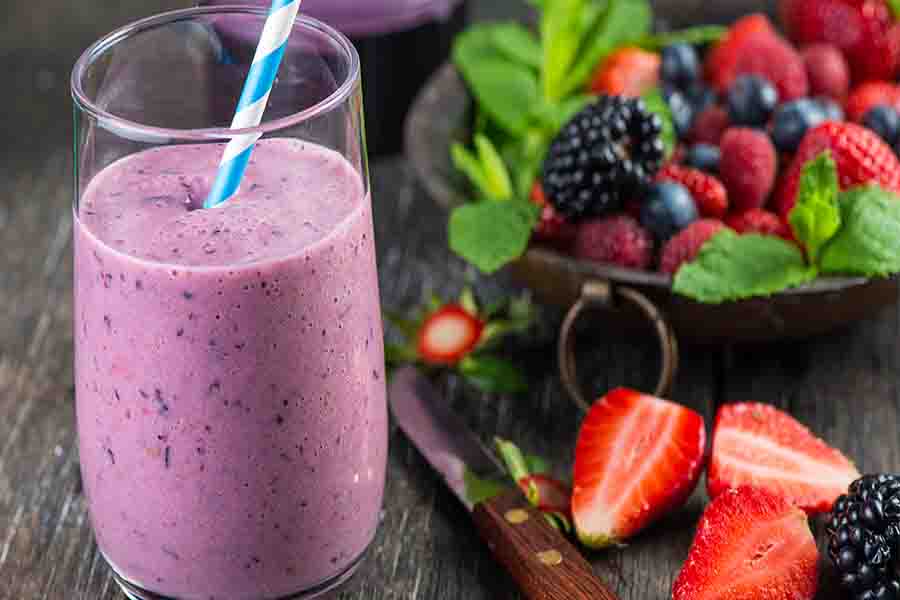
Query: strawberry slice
{"x": 758, "y": 445}
{"x": 553, "y": 495}
{"x": 750, "y": 545}
{"x": 448, "y": 334}
{"x": 637, "y": 457}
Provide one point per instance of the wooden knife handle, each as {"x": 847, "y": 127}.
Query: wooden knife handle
{"x": 543, "y": 563}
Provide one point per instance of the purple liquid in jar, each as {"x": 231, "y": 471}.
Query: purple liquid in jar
{"x": 229, "y": 371}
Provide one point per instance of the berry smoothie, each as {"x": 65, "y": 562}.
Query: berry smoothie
{"x": 229, "y": 371}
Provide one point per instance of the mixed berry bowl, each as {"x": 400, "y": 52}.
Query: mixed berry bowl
{"x": 444, "y": 114}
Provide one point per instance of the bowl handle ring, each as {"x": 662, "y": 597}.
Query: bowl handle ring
{"x": 598, "y": 293}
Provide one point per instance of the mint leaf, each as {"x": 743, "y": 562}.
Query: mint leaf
{"x": 894, "y": 5}
{"x": 479, "y": 489}
{"x": 493, "y": 375}
{"x": 495, "y": 173}
{"x": 696, "y": 36}
{"x": 466, "y": 162}
{"x": 505, "y": 90}
{"x": 491, "y": 234}
{"x": 517, "y": 43}
{"x": 658, "y": 105}
{"x": 623, "y": 22}
{"x": 869, "y": 242}
{"x": 733, "y": 267}
{"x": 561, "y": 30}
{"x": 816, "y": 216}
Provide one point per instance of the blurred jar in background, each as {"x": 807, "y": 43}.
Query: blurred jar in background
{"x": 400, "y": 43}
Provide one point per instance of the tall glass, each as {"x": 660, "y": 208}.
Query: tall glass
{"x": 228, "y": 362}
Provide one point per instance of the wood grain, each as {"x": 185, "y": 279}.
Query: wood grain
{"x": 543, "y": 563}
{"x": 845, "y": 387}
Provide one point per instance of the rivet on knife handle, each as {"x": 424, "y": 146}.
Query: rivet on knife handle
{"x": 542, "y": 562}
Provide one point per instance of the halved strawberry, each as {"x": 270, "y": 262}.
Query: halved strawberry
{"x": 448, "y": 334}
{"x": 758, "y": 445}
{"x": 553, "y": 495}
{"x": 750, "y": 545}
{"x": 637, "y": 458}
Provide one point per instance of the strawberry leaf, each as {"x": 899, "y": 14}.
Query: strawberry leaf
{"x": 895, "y": 8}
{"x": 479, "y": 489}
{"x": 868, "y": 244}
{"x": 537, "y": 464}
{"x": 408, "y": 328}
{"x": 518, "y": 467}
{"x": 492, "y": 375}
{"x": 468, "y": 302}
{"x": 816, "y": 216}
{"x": 398, "y": 354}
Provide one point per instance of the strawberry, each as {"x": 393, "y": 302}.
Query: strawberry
{"x": 864, "y": 30}
{"x": 626, "y": 72}
{"x": 750, "y": 545}
{"x": 551, "y": 228}
{"x": 553, "y": 495}
{"x": 708, "y": 192}
{"x": 753, "y": 47}
{"x": 861, "y": 157}
{"x": 757, "y": 444}
{"x": 448, "y": 334}
{"x": 870, "y": 94}
{"x": 758, "y": 220}
{"x": 686, "y": 244}
{"x": 637, "y": 458}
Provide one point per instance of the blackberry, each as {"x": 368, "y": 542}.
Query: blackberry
{"x": 864, "y": 537}
{"x": 604, "y": 156}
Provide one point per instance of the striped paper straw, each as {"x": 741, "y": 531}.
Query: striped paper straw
{"x": 252, "y": 105}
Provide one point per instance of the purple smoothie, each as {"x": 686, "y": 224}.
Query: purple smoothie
{"x": 229, "y": 371}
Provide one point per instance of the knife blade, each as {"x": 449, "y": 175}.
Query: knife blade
{"x": 541, "y": 561}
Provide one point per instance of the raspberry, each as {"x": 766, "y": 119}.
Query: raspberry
{"x": 708, "y": 192}
{"x": 758, "y": 220}
{"x": 758, "y": 50}
{"x": 552, "y": 228}
{"x": 748, "y": 167}
{"x": 709, "y": 126}
{"x": 617, "y": 240}
{"x": 827, "y": 71}
{"x": 869, "y": 95}
{"x": 864, "y": 31}
{"x": 685, "y": 246}
{"x": 860, "y": 155}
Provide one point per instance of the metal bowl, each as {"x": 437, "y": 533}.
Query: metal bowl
{"x": 442, "y": 114}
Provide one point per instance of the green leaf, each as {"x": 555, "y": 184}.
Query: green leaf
{"x": 491, "y": 234}
{"x": 560, "y": 521}
{"x": 816, "y": 216}
{"x": 868, "y": 243}
{"x": 658, "y": 105}
{"x": 624, "y": 22}
{"x": 696, "y": 36}
{"x": 409, "y": 328}
{"x": 466, "y": 162}
{"x": 398, "y": 354}
{"x": 479, "y": 489}
{"x": 517, "y": 466}
{"x": 537, "y": 464}
{"x": 527, "y": 154}
{"x": 493, "y": 375}
{"x": 895, "y": 8}
{"x": 561, "y": 30}
{"x": 495, "y": 172}
{"x": 732, "y": 267}
{"x": 518, "y": 44}
{"x": 468, "y": 302}
{"x": 504, "y": 89}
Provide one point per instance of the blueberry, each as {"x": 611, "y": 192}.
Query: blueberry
{"x": 682, "y": 112}
{"x": 704, "y": 157}
{"x": 884, "y": 121}
{"x": 751, "y": 100}
{"x": 680, "y": 65}
{"x": 833, "y": 110}
{"x": 668, "y": 208}
{"x": 793, "y": 120}
{"x": 701, "y": 96}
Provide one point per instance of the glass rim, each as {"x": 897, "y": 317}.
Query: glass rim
{"x": 144, "y": 131}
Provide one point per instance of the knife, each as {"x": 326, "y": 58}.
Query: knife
{"x": 541, "y": 561}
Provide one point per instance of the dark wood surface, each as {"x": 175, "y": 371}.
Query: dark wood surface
{"x": 844, "y": 386}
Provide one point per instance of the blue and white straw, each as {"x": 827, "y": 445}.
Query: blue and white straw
{"x": 252, "y": 105}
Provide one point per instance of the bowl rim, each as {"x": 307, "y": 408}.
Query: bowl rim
{"x": 441, "y": 188}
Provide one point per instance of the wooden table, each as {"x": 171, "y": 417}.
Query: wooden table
{"x": 843, "y": 386}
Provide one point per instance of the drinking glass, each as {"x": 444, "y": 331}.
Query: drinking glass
{"x": 229, "y": 364}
